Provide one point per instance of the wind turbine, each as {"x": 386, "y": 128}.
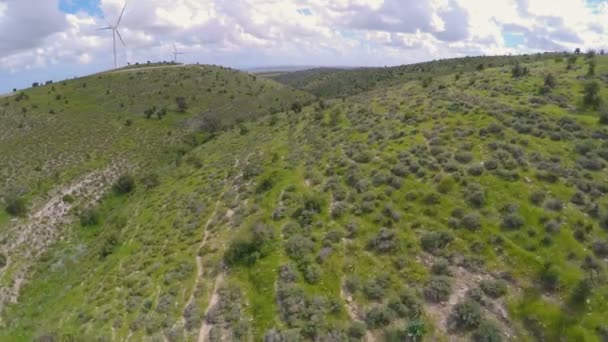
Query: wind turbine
{"x": 115, "y": 32}
{"x": 176, "y": 53}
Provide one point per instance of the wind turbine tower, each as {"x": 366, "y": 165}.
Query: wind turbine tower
{"x": 115, "y": 33}
{"x": 176, "y": 53}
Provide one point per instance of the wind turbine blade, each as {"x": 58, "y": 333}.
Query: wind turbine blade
{"x": 174, "y": 48}
{"x": 104, "y": 28}
{"x": 120, "y": 37}
{"x": 121, "y": 13}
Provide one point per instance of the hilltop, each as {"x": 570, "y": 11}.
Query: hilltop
{"x": 460, "y": 199}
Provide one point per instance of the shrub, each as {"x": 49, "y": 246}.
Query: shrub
{"x": 591, "y": 96}
{"x": 554, "y": 204}
{"x": 600, "y": 249}
{"x": 549, "y": 277}
{"x": 472, "y": 221}
{"x": 296, "y": 107}
{"x": 550, "y": 81}
{"x": 431, "y": 199}
{"x": 384, "y": 241}
{"x": 537, "y": 198}
{"x": 466, "y": 315}
{"x": 89, "y": 217}
{"x": 519, "y": 71}
{"x": 16, "y": 206}
{"x": 357, "y": 330}
{"x": 494, "y": 288}
{"x": 475, "y": 170}
{"x": 246, "y": 249}
{"x": 378, "y": 317}
{"x": 68, "y": 198}
{"x": 182, "y": 106}
{"x": 433, "y": 241}
{"x": 463, "y": 157}
{"x": 2, "y": 260}
{"x": 512, "y": 221}
{"x": 312, "y": 273}
{"x": 415, "y": 330}
{"x": 441, "y": 267}
{"x": 108, "y": 246}
{"x": 446, "y": 184}
{"x": 582, "y": 291}
{"x": 438, "y": 289}
{"x": 603, "y": 119}
{"x": 475, "y": 195}
{"x": 487, "y": 332}
{"x": 376, "y": 288}
{"x": 298, "y": 246}
{"x": 287, "y": 273}
{"x": 125, "y": 184}
{"x": 406, "y": 305}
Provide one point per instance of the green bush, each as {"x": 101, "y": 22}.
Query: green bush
{"x": 2, "y": 260}
{"x": 512, "y": 221}
{"x": 378, "y": 317}
{"x": 603, "y": 115}
{"x": 591, "y": 94}
{"x": 438, "y": 289}
{"x": 124, "y": 185}
{"x": 549, "y": 277}
{"x": 466, "y": 315}
{"x": 494, "y": 288}
{"x": 16, "y": 206}
{"x": 487, "y": 332}
{"x": 434, "y": 241}
{"x": 89, "y": 217}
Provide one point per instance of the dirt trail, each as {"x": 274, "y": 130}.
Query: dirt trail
{"x": 205, "y": 327}
{"x": 354, "y": 313}
{"x": 26, "y": 240}
{"x": 203, "y": 333}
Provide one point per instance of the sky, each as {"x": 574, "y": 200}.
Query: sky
{"x": 44, "y": 40}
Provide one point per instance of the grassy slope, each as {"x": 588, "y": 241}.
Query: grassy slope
{"x": 344, "y": 154}
{"x": 63, "y": 129}
{"x": 334, "y": 83}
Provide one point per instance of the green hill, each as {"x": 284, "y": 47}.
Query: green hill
{"x": 467, "y": 204}
{"x": 335, "y": 83}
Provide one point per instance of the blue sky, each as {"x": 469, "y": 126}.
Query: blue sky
{"x": 73, "y": 6}
{"x": 56, "y": 39}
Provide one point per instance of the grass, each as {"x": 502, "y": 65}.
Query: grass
{"x": 381, "y": 153}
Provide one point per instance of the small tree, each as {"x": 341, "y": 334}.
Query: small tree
{"x": 519, "y": 71}
{"x": 577, "y": 51}
{"x": 182, "y": 106}
{"x": 571, "y": 62}
{"x": 296, "y": 107}
{"x": 604, "y": 115}
{"x": 591, "y": 96}
{"x": 591, "y": 70}
{"x": 16, "y": 206}
{"x": 125, "y": 184}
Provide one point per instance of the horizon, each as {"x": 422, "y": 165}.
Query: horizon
{"x": 246, "y": 34}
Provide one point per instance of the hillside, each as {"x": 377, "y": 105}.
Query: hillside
{"x": 464, "y": 205}
{"x": 336, "y": 82}
{"x": 53, "y": 132}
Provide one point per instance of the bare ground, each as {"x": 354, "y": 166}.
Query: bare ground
{"x": 26, "y": 240}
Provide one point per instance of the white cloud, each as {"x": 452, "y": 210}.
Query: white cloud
{"x": 33, "y": 33}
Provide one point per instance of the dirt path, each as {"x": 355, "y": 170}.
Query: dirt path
{"x": 203, "y": 333}
{"x": 205, "y": 327}
{"x": 27, "y": 239}
{"x": 354, "y": 313}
